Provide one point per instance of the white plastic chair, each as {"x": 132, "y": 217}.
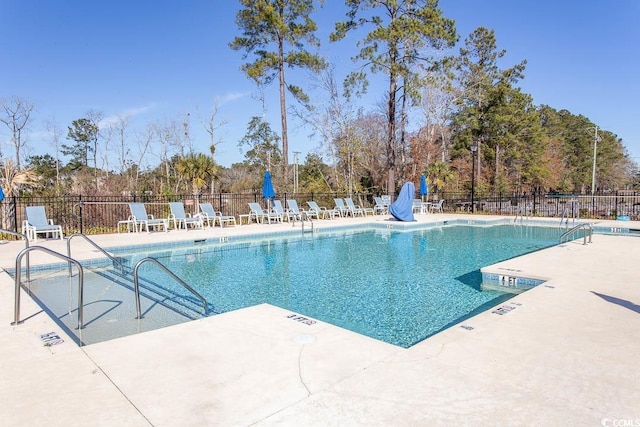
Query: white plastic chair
{"x": 180, "y": 218}
{"x": 141, "y": 219}
{"x": 318, "y": 210}
{"x": 436, "y": 206}
{"x": 380, "y": 207}
{"x": 301, "y": 213}
{"x": 357, "y": 209}
{"x": 210, "y": 215}
{"x": 280, "y": 210}
{"x": 341, "y": 208}
{"x": 36, "y": 222}
{"x": 260, "y": 215}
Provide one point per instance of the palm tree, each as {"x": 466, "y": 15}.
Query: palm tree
{"x": 438, "y": 175}
{"x": 13, "y": 179}
{"x": 197, "y": 169}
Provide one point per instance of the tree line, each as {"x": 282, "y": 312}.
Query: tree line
{"x": 443, "y": 113}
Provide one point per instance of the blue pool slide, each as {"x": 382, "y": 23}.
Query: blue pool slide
{"x": 402, "y": 208}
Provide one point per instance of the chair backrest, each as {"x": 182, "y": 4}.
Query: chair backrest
{"x": 378, "y": 201}
{"x": 417, "y": 203}
{"x": 340, "y": 204}
{"x": 350, "y": 203}
{"x": 138, "y": 211}
{"x": 177, "y": 209}
{"x": 386, "y": 200}
{"x": 314, "y": 206}
{"x": 293, "y": 205}
{"x": 207, "y": 208}
{"x": 277, "y": 206}
{"x": 256, "y": 208}
{"x": 36, "y": 216}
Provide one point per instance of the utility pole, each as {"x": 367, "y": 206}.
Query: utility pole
{"x": 593, "y": 171}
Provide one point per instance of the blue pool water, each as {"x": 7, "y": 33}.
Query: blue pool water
{"x": 399, "y": 287}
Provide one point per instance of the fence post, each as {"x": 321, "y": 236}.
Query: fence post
{"x": 80, "y": 204}
{"x": 15, "y": 213}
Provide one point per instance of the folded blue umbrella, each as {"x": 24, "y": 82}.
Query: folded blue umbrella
{"x": 402, "y": 208}
{"x": 424, "y": 188}
{"x": 267, "y": 187}
{"x": 1, "y": 194}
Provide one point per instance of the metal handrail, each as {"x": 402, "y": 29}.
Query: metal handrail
{"x": 523, "y": 212}
{"x": 26, "y": 245}
{"x": 136, "y": 285}
{"x": 312, "y": 228}
{"x": 57, "y": 255}
{"x": 95, "y": 245}
{"x": 576, "y": 228}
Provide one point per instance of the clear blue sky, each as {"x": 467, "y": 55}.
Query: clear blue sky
{"x": 163, "y": 59}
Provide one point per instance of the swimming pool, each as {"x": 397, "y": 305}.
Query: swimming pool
{"x": 397, "y": 286}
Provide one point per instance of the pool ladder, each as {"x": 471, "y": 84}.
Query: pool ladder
{"x": 28, "y": 249}
{"x": 523, "y": 214}
{"x": 567, "y": 235}
{"x": 302, "y": 221}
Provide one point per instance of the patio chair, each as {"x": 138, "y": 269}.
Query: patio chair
{"x": 420, "y": 207}
{"x": 260, "y": 215}
{"x": 357, "y": 209}
{"x": 181, "y": 218}
{"x": 436, "y": 206}
{"x": 142, "y": 220}
{"x": 36, "y": 222}
{"x": 380, "y": 207}
{"x": 321, "y": 211}
{"x": 341, "y": 208}
{"x": 301, "y": 213}
{"x": 280, "y": 210}
{"x": 209, "y": 215}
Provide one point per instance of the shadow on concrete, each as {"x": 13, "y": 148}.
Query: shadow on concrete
{"x": 621, "y": 302}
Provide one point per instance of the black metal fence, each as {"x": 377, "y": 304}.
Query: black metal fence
{"x": 101, "y": 214}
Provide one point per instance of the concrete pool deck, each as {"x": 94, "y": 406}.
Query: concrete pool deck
{"x": 564, "y": 353}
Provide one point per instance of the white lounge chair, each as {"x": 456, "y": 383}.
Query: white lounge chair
{"x": 341, "y": 208}
{"x": 211, "y": 216}
{"x": 301, "y": 213}
{"x": 322, "y": 211}
{"x": 357, "y": 209}
{"x": 142, "y": 220}
{"x": 380, "y": 207}
{"x": 260, "y": 215}
{"x": 180, "y": 218}
{"x": 36, "y": 222}
{"x": 280, "y": 210}
{"x": 420, "y": 207}
{"x": 436, "y": 206}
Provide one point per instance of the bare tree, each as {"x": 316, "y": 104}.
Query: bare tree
{"x": 211, "y": 125}
{"x": 437, "y": 99}
{"x": 118, "y": 130}
{"x": 332, "y": 121}
{"x": 168, "y": 134}
{"x": 16, "y": 116}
